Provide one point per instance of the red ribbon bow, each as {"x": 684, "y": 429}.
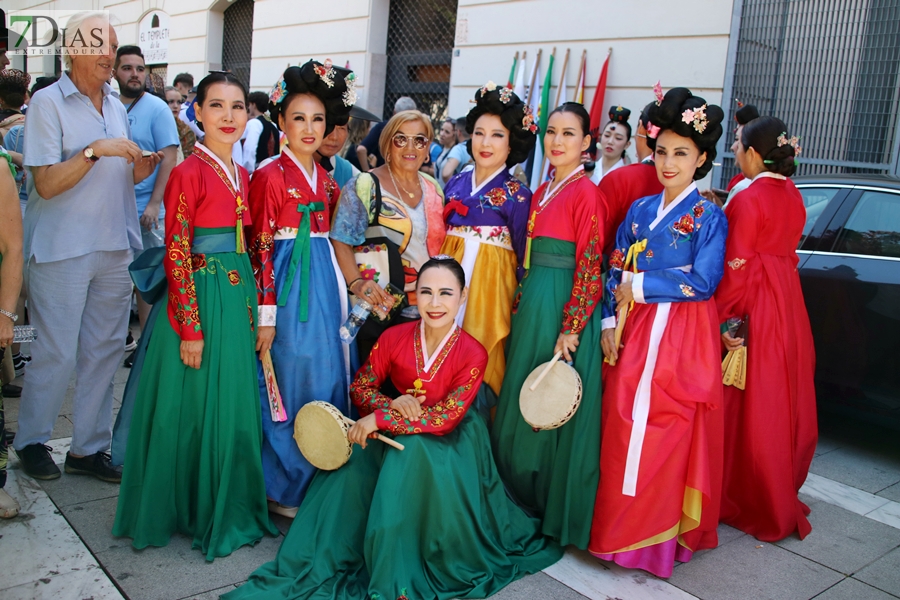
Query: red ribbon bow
{"x": 455, "y": 206}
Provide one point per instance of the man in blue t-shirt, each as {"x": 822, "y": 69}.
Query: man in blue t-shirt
{"x": 152, "y": 128}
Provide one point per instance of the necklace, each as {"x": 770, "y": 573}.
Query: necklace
{"x": 400, "y": 187}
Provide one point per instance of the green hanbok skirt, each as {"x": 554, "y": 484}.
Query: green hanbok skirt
{"x": 553, "y": 473}
{"x": 430, "y": 522}
{"x": 192, "y": 463}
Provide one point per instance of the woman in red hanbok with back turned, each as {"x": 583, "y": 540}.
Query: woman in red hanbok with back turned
{"x": 770, "y": 426}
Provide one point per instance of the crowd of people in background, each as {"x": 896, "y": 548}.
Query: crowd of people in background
{"x": 246, "y": 228}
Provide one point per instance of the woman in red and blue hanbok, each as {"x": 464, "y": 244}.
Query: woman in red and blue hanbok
{"x": 302, "y": 300}
{"x": 661, "y": 427}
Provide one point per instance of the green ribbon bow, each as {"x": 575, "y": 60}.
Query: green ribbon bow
{"x": 298, "y": 254}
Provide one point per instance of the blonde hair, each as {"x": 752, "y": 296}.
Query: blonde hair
{"x": 399, "y": 120}
{"x": 75, "y": 22}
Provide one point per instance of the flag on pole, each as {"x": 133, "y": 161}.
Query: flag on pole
{"x": 543, "y": 114}
{"x": 519, "y": 88}
{"x": 512, "y": 72}
{"x": 597, "y": 111}
{"x": 534, "y": 103}
{"x": 579, "y": 87}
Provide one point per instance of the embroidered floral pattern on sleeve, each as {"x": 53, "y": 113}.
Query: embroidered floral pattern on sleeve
{"x": 588, "y": 285}
{"x": 364, "y": 391}
{"x": 513, "y": 185}
{"x": 434, "y": 419}
{"x": 183, "y": 294}
{"x": 263, "y": 267}
{"x": 617, "y": 259}
{"x": 687, "y": 290}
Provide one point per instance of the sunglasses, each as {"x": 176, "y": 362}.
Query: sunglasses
{"x": 402, "y": 141}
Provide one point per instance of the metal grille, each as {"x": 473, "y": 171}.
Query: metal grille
{"x": 237, "y": 39}
{"x": 419, "y": 53}
{"x": 829, "y": 69}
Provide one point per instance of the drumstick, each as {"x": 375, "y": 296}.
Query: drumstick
{"x": 382, "y": 438}
{"x": 546, "y": 370}
{"x": 620, "y": 327}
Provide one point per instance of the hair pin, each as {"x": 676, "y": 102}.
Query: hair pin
{"x": 490, "y": 86}
{"x": 528, "y": 120}
{"x": 657, "y": 91}
{"x": 696, "y": 117}
{"x": 279, "y": 91}
{"x": 793, "y": 142}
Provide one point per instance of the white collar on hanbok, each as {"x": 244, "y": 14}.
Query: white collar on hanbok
{"x": 210, "y": 154}
{"x": 475, "y": 190}
{"x": 313, "y": 179}
{"x": 550, "y": 192}
{"x": 430, "y": 358}
{"x": 663, "y": 210}
{"x": 769, "y": 174}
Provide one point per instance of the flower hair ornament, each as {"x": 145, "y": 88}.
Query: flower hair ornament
{"x": 505, "y": 95}
{"x": 490, "y": 86}
{"x": 325, "y": 72}
{"x": 697, "y": 117}
{"x": 657, "y": 91}
{"x": 279, "y": 91}
{"x": 528, "y": 120}
{"x": 793, "y": 142}
{"x": 652, "y": 131}
{"x": 350, "y": 95}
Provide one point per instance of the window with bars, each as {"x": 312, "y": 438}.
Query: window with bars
{"x": 237, "y": 40}
{"x": 827, "y": 68}
{"x": 419, "y": 53}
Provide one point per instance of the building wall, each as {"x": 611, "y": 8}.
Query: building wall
{"x": 676, "y": 43}
{"x": 286, "y": 32}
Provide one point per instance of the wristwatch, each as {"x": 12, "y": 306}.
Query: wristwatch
{"x": 13, "y": 316}
{"x": 89, "y": 155}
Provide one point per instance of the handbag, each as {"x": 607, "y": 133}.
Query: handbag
{"x": 378, "y": 259}
{"x": 734, "y": 367}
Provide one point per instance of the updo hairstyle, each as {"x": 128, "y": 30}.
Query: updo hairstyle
{"x": 442, "y": 261}
{"x": 512, "y": 116}
{"x": 763, "y": 134}
{"x": 313, "y": 78}
{"x": 670, "y": 114}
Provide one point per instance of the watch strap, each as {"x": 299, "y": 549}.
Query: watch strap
{"x": 13, "y": 316}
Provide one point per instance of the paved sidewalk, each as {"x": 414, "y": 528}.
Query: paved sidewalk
{"x": 60, "y": 546}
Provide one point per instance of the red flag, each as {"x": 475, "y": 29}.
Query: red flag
{"x": 597, "y": 110}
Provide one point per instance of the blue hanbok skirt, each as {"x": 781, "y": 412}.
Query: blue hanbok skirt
{"x": 310, "y": 361}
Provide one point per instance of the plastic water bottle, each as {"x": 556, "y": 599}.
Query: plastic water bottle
{"x": 357, "y": 317}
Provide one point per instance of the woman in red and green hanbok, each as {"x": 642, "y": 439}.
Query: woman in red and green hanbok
{"x": 192, "y": 458}
{"x": 661, "y": 456}
{"x": 553, "y": 473}
{"x": 431, "y": 521}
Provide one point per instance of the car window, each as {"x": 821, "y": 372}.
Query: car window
{"x": 873, "y": 227}
{"x": 815, "y": 200}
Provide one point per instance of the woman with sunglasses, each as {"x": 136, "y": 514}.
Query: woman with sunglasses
{"x": 553, "y": 473}
{"x": 410, "y": 217}
{"x": 487, "y": 219}
{"x": 302, "y": 301}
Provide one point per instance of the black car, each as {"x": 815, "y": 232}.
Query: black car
{"x": 850, "y": 273}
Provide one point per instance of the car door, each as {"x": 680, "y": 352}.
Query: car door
{"x": 851, "y": 282}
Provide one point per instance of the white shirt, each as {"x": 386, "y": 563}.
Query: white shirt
{"x": 193, "y": 125}
{"x": 251, "y": 141}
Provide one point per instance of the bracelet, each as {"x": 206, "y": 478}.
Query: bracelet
{"x": 12, "y": 316}
{"x": 350, "y": 285}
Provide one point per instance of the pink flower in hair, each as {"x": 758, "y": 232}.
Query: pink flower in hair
{"x": 657, "y": 91}
{"x": 687, "y": 116}
{"x": 652, "y": 131}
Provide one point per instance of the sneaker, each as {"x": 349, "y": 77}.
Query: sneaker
{"x": 130, "y": 344}
{"x": 129, "y": 360}
{"x": 97, "y": 464}
{"x": 37, "y": 462}
{"x": 9, "y": 508}
{"x": 20, "y": 361}
{"x": 11, "y": 391}
{"x": 280, "y": 509}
